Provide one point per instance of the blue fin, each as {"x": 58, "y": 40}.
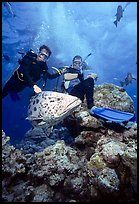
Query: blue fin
{"x": 111, "y": 114}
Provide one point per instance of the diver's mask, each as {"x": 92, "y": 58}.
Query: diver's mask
{"x": 44, "y": 55}
{"x": 77, "y": 63}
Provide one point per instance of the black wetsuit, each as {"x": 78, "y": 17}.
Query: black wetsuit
{"x": 83, "y": 88}
{"x": 29, "y": 72}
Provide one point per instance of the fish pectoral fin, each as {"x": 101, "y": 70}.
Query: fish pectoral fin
{"x": 34, "y": 118}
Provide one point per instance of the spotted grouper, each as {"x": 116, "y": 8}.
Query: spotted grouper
{"x": 48, "y": 108}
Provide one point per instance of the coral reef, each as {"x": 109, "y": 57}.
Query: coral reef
{"x": 97, "y": 164}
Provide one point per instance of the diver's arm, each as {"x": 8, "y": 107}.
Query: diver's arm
{"x": 52, "y": 76}
{"x": 70, "y": 76}
{"x": 47, "y": 75}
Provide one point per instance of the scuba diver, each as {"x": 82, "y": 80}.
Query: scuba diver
{"x": 31, "y": 68}
{"x": 75, "y": 84}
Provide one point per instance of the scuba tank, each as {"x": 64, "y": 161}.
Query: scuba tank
{"x": 29, "y": 54}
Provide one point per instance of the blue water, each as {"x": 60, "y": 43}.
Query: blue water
{"x": 68, "y": 28}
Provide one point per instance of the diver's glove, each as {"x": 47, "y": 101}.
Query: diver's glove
{"x": 37, "y": 89}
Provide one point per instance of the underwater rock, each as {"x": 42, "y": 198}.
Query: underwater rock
{"x": 74, "y": 185}
{"x": 35, "y": 140}
{"x": 111, "y": 151}
{"x": 111, "y": 96}
{"x": 13, "y": 161}
{"x": 43, "y": 194}
{"x": 87, "y": 120}
{"x": 108, "y": 181}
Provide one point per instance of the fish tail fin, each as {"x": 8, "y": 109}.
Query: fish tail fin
{"x": 115, "y": 22}
{"x": 122, "y": 83}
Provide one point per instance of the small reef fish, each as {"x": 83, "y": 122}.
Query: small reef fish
{"x": 115, "y": 78}
{"x": 48, "y": 108}
{"x": 119, "y": 14}
{"x": 128, "y": 80}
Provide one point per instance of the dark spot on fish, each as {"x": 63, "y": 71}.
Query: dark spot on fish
{"x": 45, "y": 106}
{"x": 37, "y": 101}
{"x": 30, "y": 113}
{"x": 33, "y": 102}
{"x": 43, "y": 95}
{"x": 29, "y": 106}
{"x": 35, "y": 108}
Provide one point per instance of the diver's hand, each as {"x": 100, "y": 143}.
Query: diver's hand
{"x": 36, "y": 89}
{"x": 93, "y": 75}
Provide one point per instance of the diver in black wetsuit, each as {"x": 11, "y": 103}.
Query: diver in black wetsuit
{"x": 32, "y": 68}
{"x": 75, "y": 84}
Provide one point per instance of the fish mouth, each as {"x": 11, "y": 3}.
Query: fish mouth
{"x": 70, "y": 108}
{"x": 36, "y": 121}
{"x": 75, "y": 106}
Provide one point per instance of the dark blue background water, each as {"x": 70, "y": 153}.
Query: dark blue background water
{"x": 68, "y": 28}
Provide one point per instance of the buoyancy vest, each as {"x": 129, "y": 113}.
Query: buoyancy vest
{"x": 31, "y": 56}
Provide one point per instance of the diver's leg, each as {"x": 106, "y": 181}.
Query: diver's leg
{"x": 12, "y": 86}
{"x": 88, "y": 87}
{"x": 7, "y": 87}
{"x": 78, "y": 92}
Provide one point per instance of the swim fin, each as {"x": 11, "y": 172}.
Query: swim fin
{"x": 111, "y": 114}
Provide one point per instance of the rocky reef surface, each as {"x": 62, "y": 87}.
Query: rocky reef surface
{"x": 84, "y": 159}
